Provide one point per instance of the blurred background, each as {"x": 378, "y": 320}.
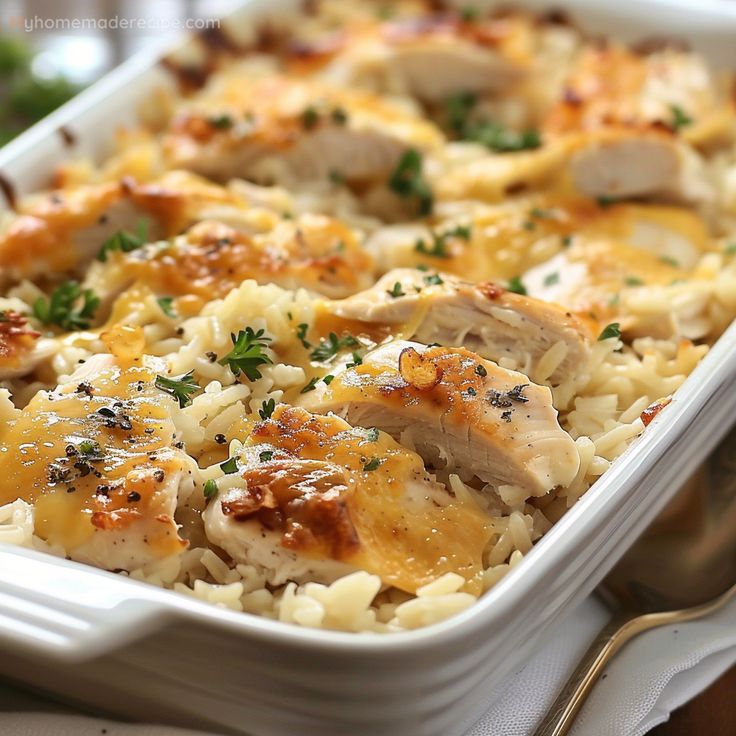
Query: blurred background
{"x": 50, "y": 49}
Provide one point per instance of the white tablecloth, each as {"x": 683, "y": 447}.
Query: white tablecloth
{"x": 652, "y": 676}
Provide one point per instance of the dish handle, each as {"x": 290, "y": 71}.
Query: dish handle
{"x": 58, "y": 608}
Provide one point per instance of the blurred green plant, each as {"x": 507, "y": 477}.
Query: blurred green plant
{"x": 25, "y": 98}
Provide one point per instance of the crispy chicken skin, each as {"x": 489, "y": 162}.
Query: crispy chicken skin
{"x": 96, "y": 459}
{"x": 316, "y": 498}
{"x": 277, "y": 129}
{"x": 484, "y": 318}
{"x": 459, "y": 411}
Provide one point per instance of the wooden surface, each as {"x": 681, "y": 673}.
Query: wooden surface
{"x": 712, "y": 713}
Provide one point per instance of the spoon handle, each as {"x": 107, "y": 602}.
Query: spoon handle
{"x": 619, "y": 630}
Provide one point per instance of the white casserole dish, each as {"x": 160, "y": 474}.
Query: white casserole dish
{"x": 139, "y": 652}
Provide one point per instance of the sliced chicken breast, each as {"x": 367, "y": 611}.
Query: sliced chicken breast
{"x": 435, "y": 56}
{"x": 289, "y": 130}
{"x": 315, "y": 498}
{"x": 459, "y": 411}
{"x": 484, "y": 318}
{"x": 313, "y": 252}
{"x": 96, "y": 459}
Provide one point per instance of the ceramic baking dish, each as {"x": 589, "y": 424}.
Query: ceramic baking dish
{"x": 115, "y": 645}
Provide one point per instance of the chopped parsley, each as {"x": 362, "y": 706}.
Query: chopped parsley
{"x": 309, "y": 118}
{"x": 301, "y": 334}
{"x": 609, "y": 331}
{"x": 396, "y": 291}
{"x": 731, "y": 249}
{"x": 69, "y": 307}
{"x": 336, "y": 177}
{"x": 680, "y": 119}
{"x": 91, "y": 449}
{"x": 221, "y": 122}
{"x": 247, "y": 353}
{"x": 329, "y": 348}
{"x": 311, "y": 385}
{"x": 407, "y": 181}
{"x": 458, "y": 111}
{"x": 265, "y": 456}
{"x": 266, "y": 409}
{"x": 230, "y": 466}
{"x": 633, "y": 281}
{"x": 433, "y": 280}
{"x": 180, "y": 388}
{"x": 670, "y": 261}
{"x": 438, "y": 248}
{"x": 372, "y": 464}
{"x": 125, "y": 241}
{"x": 516, "y": 286}
{"x": 605, "y": 200}
{"x": 210, "y": 489}
{"x": 328, "y": 379}
{"x": 468, "y": 13}
{"x": 542, "y": 214}
{"x": 566, "y": 241}
{"x": 357, "y": 360}
{"x": 166, "y": 302}
{"x": 370, "y": 435}
{"x": 552, "y": 278}
{"x": 339, "y": 116}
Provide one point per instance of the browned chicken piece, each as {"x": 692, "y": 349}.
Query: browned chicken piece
{"x": 313, "y": 252}
{"x": 21, "y": 347}
{"x": 459, "y": 411}
{"x": 435, "y": 56}
{"x": 432, "y": 307}
{"x": 285, "y": 130}
{"x": 95, "y": 458}
{"x": 315, "y": 498}
{"x": 634, "y": 118}
{"x": 61, "y": 231}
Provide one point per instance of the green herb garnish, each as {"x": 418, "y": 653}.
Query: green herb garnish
{"x": 680, "y": 119}
{"x": 230, "y": 466}
{"x": 516, "y": 286}
{"x": 433, "y": 280}
{"x": 633, "y": 281}
{"x": 165, "y": 302}
{"x": 265, "y": 456}
{"x": 396, "y": 291}
{"x": 609, "y": 331}
{"x": 330, "y": 347}
{"x": 407, "y": 181}
{"x": 311, "y": 385}
{"x": 357, "y": 360}
{"x": 180, "y": 388}
{"x": 64, "y": 309}
{"x": 266, "y": 409}
{"x": 301, "y": 333}
{"x": 247, "y": 353}
{"x": 372, "y": 464}
{"x": 221, "y": 122}
{"x": 552, "y": 278}
{"x": 125, "y": 241}
{"x": 310, "y": 118}
{"x": 210, "y": 489}
{"x": 670, "y": 261}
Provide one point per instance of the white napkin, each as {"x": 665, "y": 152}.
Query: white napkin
{"x": 653, "y": 675}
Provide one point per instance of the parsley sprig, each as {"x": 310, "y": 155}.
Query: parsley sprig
{"x": 458, "y": 112}
{"x": 612, "y": 330}
{"x": 69, "y": 306}
{"x": 248, "y": 353}
{"x": 180, "y": 388}
{"x": 330, "y": 347}
{"x": 125, "y": 241}
{"x": 408, "y": 181}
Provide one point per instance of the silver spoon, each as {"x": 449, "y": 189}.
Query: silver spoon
{"x": 682, "y": 568}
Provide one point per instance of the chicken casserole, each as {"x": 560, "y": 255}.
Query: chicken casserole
{"x": 337, "y": 334}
